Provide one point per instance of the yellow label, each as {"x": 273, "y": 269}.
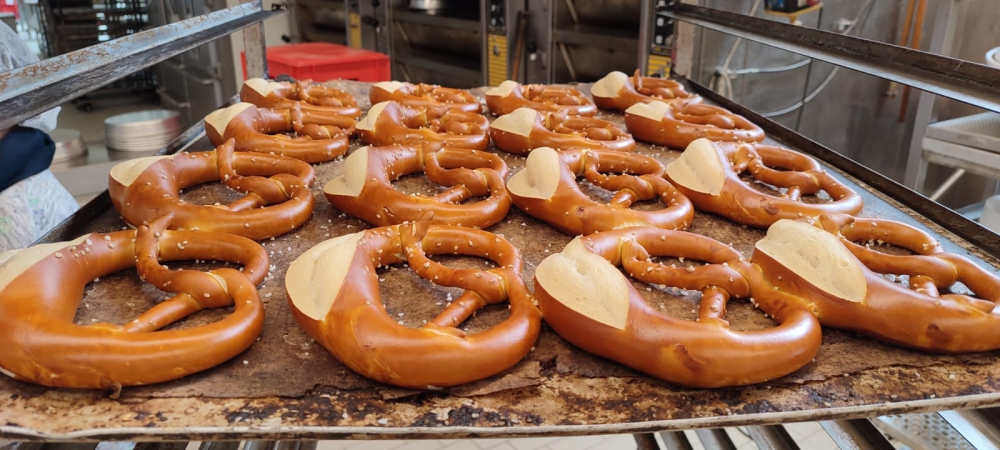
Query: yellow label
{"x": 354, "y": 39}
{"x": 496, "y": 62}
{"x": 658, "y": 65}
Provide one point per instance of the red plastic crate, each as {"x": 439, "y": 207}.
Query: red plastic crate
{"x": 319, "y": 61}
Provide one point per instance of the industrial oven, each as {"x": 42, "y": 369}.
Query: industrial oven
{"x": 958, "y": 396}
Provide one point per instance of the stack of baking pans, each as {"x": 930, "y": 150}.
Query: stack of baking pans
{"x": 69, "y": 145}
{"x": 142, "y": 131}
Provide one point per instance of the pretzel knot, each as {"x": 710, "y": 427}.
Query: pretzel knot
{"x": 42, "y": 345}
{"x": 390, "y": 123}
{"x": 547, "y": 189}
{"x": 324, "y": 136}
{"x": 365, "y": 189}
{"x": 144, "y": 189}
{"x": 590, "y": 303}
{"x": 709, "y": 174}
{"x": 510, "y": 96}
{"x": 314, "y": 99}
{"x": 424, "y": 96}
{"x": 525, "y": 129}
{"x": 923, "y": 309}
{"x": 676, "y": 125}
{"x": 618, "y": 92}
{"x": 334, "y": 293}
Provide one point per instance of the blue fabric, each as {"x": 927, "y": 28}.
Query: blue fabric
{"x": 24, "y": 152}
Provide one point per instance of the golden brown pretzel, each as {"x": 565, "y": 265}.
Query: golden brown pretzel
{"x": 676, "y": 125}
{"x": 847, "y": 290}
{"x": 708, "y": 174}
{"x": 322, "y": 136}
{"x": 591, "y": 304}
{"x": 310, "y": 98}
{"x": 525, "y": 129}
{"x": 334, "y": 294}
{"x": 617, "y": 92}
{"x": 424, "y": 96}
{"x": 144, "y": 189}
{"x": 547, "y": 189}
{"x": 390, "y": 123}
{"x": 365, "y": 189}
{"x": 41, "y": 288}
{"x": 510, "y": 96}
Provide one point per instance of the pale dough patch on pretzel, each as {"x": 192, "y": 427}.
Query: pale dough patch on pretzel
{"x": 504, "y": 89}
{"x": 540, "y": 177}
{"x": 315, "y": 278}
{"x": 14, "y": 262}
{"x": 586, "y": 283}
{"x": 390, "y": 86}
{"x": 520, "y": 122}
{"x": 262, "y": 86}
{"x": 220, "y": 118}
{"x": 368, "y": 122}
{"x": 126, "y": 172}
{"x": 652, "y": 110}
{"x": 352, "y": 181}
{"x": 817, "y": 256}
{"x": 699, "y": 168}
{"x": 610, "y": 85}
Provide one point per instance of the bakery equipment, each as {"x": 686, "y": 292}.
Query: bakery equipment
{"x": 846, "y": 406}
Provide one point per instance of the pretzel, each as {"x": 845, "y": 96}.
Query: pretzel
{"x": 334, "y": 295}
{"x": 708, "y": 174}
{"x": 617, "y": 92}
{"x": 365, "y": 190}
{"x": 41, "y": 288}
{"x": 424, "y": 96}
{"x": 525, "y": 129}
{"x": 510, "y": 96}
{"x": 677, "y": 125}
{"x": 547, "y": 190}
{"x": 310, "y": 98}
{"x": 390, "y": 123}
{"x": 322, "y": 137}
{"x": 591, "y": 304}
{"x": 144, "y": 189}
{"x": 842, "y": 283}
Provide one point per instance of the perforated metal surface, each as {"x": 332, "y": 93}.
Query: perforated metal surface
{"x": 980, "y": 131}
{"x": 922, "y": 432}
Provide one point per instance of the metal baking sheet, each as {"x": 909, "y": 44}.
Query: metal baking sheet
{"x": 287, "y": 387}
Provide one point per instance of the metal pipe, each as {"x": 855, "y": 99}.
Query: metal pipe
{"x": 676, "y": 440}
{"x": 715, "y": 439}
{"x": 772, "y": 437}
{"x": 947, "y": 184}
{"x": 964, "y": 81}
{"x": 646, "y": 441}
{"x": 856, "y": 435}
{"x": 30, "y": 90}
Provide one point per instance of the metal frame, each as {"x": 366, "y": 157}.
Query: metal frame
{"x": 964, "y": 81}
{"x": 30, "y": 90}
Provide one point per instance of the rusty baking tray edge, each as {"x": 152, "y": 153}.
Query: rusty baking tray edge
{"x": 139, "y": 434}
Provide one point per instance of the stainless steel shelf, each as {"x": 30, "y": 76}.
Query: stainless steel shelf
{"x": 582, "y": 34}
{"x": 459, "y": 20}
{"x": 462, "y": 68}
{"x": 35, "y": 88}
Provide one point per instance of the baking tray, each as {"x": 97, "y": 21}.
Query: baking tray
{"x": 286, "y": 387}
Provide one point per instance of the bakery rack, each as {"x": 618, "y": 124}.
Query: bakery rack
{"x": 974, "y": 414}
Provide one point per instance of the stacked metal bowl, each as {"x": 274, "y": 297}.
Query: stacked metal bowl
{"x": 142, "y": 131}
